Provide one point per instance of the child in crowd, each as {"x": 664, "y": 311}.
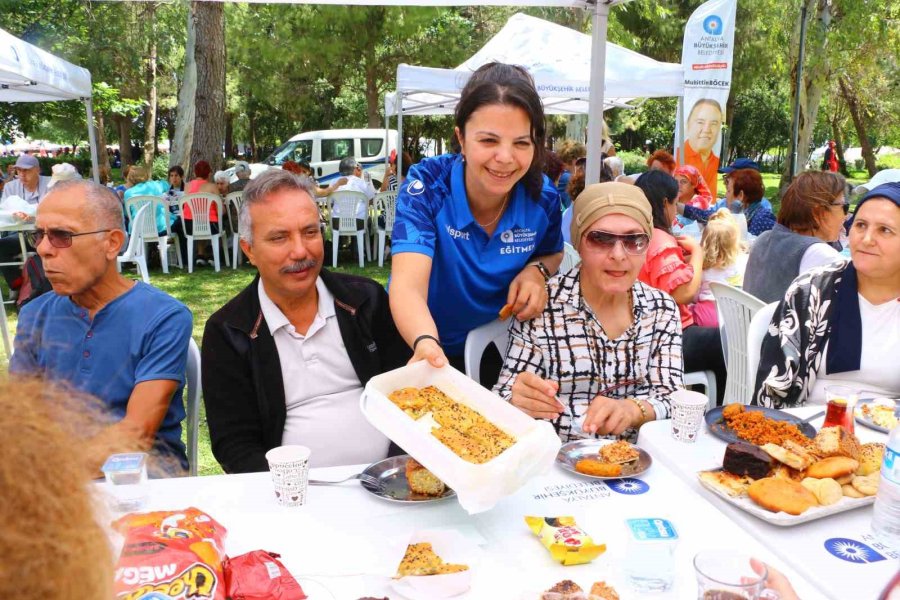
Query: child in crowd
{"x": 723, "y": 261}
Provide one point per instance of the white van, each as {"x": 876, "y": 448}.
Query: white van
{"x": 323, "y": 150}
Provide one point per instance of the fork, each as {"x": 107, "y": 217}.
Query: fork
{"x": 367, "y": 479}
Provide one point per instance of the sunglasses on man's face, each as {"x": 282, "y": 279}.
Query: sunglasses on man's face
{"x": 633, "y": 243}
{"x": 58, "y": 238}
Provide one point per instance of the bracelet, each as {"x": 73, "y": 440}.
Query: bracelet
{"x": 542, "y": 268}
{"x": 426, "y": 337}
{"x": 643, "y": 411}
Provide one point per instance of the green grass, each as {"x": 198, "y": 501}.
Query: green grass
{"x": 204, "y": 292}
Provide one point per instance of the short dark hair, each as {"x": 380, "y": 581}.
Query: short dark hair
{"x": 748, "y": 181}
{"x": 177, "y": 169}
{"x": 808, "y": 196}
{"x": 660, "y": 189}
{"x": 511, "y": 85}
{"x": 553, "y": 167}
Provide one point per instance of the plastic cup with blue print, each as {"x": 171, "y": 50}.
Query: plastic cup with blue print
{"x": 688, "y": 409}
{"x": 289, "y": 466}
{"x": 126, "y": 480}
{"x": 650, "y": 554}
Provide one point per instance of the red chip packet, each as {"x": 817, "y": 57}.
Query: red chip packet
{"x": 259, "y": 575}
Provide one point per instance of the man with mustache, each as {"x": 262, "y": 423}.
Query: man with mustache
{"x": 120, "y": 340}
{"x": 285, "y": 361}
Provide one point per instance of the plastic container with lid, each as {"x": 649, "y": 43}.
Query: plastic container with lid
{"x": 126, "y": 479}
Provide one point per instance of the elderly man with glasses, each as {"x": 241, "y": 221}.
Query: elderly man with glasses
{"x": 31, "y": 186}
{"x": 120, "y": 340}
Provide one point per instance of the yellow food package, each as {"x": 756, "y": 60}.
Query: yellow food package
{"x": 566, "y": 541}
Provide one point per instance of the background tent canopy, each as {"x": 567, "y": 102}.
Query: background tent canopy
{"x": 29, "y": 74}
{"x": 557, "y": 57}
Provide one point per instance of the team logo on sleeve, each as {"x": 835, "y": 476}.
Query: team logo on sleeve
{"x": 415, "y": 187}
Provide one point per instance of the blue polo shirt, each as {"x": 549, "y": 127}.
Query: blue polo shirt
{"x": 470, "y": 272}
{"x": 140, "y": 336}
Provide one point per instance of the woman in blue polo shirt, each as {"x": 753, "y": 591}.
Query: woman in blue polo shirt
{"x": 478, "y": 229}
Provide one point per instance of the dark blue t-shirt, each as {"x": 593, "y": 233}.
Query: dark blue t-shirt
{"x": 140, "y": 336}
{"x": 470, "y": 272}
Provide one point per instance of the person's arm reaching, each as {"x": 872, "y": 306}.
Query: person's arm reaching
{"x": 410, "y": 273}
{"x": 686, "y": 292}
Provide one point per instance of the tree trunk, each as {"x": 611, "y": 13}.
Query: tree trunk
{"x": 839, "y": 144}
{"x": 373, "y": 112}
{"x": 856, "y": 114}
{"x": 123, "y": 124}
{"x": 150, "y": 112}
{"x": 229, "y": 135}
{"x": 102, "y": 156}
{"x": 251, "y": 119}
{"x": 183, "y": 137}
{"x": 209, "y": 54}
{"x": 815, "y": 78}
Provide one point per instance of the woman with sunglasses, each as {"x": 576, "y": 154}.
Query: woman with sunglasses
{"x": 675, "y": 266}
{"x": 604, "y": 356}
{"x": 478, "y": 229}
{"x": 811, "y": 216}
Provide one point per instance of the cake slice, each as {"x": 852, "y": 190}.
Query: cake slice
{"x": 420, "y": 559}
{"x": 421, "y": 480}
{"x": 835, "y": 441}
{"x": 743, "y": 459}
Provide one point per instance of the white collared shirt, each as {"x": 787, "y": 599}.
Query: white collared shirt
{"x": 357, "y": 184}
{"x": 321, "y": 388}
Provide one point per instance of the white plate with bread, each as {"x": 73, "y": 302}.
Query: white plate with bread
{"x": 790, "y": 484}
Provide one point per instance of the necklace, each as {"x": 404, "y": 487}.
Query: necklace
{"x": 499, "y": 212}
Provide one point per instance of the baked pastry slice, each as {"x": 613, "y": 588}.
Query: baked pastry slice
{"x": 420, "y": 559}
{"x": 421, "y": 480}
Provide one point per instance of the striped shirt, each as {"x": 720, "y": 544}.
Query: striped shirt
{"x": 566, "y": 343}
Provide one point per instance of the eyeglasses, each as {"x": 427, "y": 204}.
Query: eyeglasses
{"x": 58, "y": 238}
{"x": 633, "y": 243}
{"x": 845, "y": 206}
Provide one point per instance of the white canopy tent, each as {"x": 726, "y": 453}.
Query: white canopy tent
{"x": 560, "y": 61}
{"x": 29, "y": 74}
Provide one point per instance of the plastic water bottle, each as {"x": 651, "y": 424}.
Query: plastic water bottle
{"x": 886, "y": 516}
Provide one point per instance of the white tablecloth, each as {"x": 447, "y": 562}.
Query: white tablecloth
{"x": 340, "y": 534}
{"x": 802, "y": 546}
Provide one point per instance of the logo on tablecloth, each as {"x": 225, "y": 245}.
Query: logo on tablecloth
{"x": 852, "y": 550}
{"x": 628, "y": 486}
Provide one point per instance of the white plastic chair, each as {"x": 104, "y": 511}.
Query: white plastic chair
{"x": 386, "y": 205}
{"x": 151, "y": 234}
{"x": 570, "y": 258}
{"x": 135, "y": 251}
{"x": 192, "y": 408}
{"x": 736, "y": 308}
{"x": 759, "y": 326}
{"x": 479, "y": 339}
{"x": 233, "y": 202}
{"x": 200, "y": 205}
{"x": 706, "y": 379}
{"x": 346, "y": 204}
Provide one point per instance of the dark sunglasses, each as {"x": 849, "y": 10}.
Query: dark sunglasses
{"x": 633, "y": 243}
{"x": 845, "y": 206}
{"x": 58, "y": 238}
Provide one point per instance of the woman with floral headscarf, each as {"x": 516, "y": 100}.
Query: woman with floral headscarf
{"x": 692, "y": 189}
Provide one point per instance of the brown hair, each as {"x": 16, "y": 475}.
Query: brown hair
{"x": 748, "y": 181}
{"x": 720, "y": 241}
{"x": 663, "y": 157}
{"x": 808, "y": 196}
{"x": 137, "y": 174}
{"x": 569, "y": 150}
{"x": 53, "y": 545}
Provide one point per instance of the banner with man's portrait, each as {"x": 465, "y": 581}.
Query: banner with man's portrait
{"x": 707, "y": 60}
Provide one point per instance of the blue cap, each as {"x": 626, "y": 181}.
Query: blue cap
{"x": 741, "y": 163}
{"x": 888, "y": 191}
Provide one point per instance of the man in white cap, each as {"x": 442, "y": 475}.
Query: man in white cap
{"x": 242, "y": 170}
{"x": 63, "y": 172}
{"x": 30, "y": 185}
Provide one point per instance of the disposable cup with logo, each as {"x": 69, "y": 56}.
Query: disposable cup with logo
{"x": 289, "y": 466}
{"x": 688, "y": 409}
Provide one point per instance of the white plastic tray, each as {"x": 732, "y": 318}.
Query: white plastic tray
{"x": 783, "y": 519}
{"x": 478, "y": 487}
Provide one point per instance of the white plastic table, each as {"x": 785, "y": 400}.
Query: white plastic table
{"x": 21, "y": 229}
{"x": 859, "y": 574}
{"x": 336, "y": 541}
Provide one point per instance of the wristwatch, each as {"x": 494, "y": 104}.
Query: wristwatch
{"x": 542, "y": 268}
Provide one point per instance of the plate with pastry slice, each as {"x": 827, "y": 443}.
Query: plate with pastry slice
{"x": 603, "y": 459}
{"x": 403, "y": 479}
{"x": 879, "y": 414}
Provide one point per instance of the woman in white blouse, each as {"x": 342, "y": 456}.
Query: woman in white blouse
{"x": 605, "y": 355}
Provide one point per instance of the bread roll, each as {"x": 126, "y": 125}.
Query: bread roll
{"x": 781, "y": 495}
{"x": 833, "y": 467}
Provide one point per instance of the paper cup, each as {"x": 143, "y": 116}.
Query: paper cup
{"x": 289, "y": 466}
{"x": 688, "y": 409}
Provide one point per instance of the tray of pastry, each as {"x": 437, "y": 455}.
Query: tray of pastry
{"x": 792, "y": 483}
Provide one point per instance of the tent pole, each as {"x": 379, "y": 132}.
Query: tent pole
{"x": 679, "y": 128}
{"x": 399, "y": 136}
{"x": 595, "y": 100}
{"x": 92, "y": 139}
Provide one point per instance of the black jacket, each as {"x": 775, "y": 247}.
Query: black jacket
{"x": 242, "y": 385}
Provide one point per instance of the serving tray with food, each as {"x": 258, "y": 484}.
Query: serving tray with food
{"x": 757, "y": 425}
{"x": 879, "y": 414}
{"x": 471, "y": 439}
{"x": 603, "y": 459}
{"x": 793, "y": 482}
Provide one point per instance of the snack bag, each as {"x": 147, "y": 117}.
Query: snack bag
{"x": 565, "y": 540}
{"x": 259, "y": 575}
{"x": 176, "y": 553}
